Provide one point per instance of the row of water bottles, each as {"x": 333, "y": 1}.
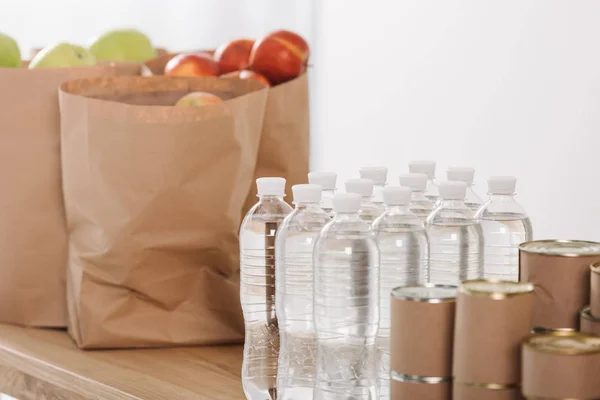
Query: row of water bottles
{"x": 316, "y": 280}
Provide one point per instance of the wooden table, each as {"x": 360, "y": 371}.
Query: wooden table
{"x": 45, "y": 365}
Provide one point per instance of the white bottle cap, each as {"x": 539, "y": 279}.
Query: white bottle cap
{"x": 417, "y": 182}
{"x": 271, "y": 186}
{"x": 453, "y": 190}
{"x": 346, "y": 202}
{"x": 377, "y": 174}
{"x": 422, "y": 167}
{"x": 325, "y": 179}
{"x": 307, "y": 193}
{"x": 363, "y": 187}
{"x": 461, "y": 174}
{"x": 502, "y": 184}
{"x": 396, "y": 195}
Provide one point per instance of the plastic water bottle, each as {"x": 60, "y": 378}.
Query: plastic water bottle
{"x": 505, "y": 225}
{"x": 364, "y": 188}
{"x": 327, "y": 181}
{"x": 420, "y": 205}
{"x": 456, "y": 240}
{"x": 427, "y": 168}
{"x": 257, "y": 289}
{"x": 404, "y": 258}
{"x": 379, "y": 177}
{"x": 346, "y": 305}
{"x": 294, "y": 246}
{"x": 466, "y": 175}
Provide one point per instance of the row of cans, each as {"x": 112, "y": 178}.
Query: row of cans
{"x": 476, "y": 341}
{"x": 461, "y": 343}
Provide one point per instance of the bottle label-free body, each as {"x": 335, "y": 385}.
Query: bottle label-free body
{"x": 503, "y": 234}
{"x": 261, "y": 347}
{"x": 456, "y": 252}
{"x": 346, "y": 318}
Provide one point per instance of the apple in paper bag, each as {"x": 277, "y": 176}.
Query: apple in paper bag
{"x": 198, "y": 99}
{"x": 62, "y": 55}
{"x": 10, "y": 54}
{"x": 125, "y": 45}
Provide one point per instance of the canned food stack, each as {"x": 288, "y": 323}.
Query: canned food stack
{"x": 492, "y": 318}
{"x": 560, "y": 272}
{"x": 590, "y": 315}
{"x": 561, "y": 365}
{"x": 422, "y": 332}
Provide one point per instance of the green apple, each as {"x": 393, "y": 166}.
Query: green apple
{"x": 127, "y": 45}
{"x": 62, "y": 55}
{"x": 10, "y": 55}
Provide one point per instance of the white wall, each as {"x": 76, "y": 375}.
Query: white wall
{"x": 508, "y": 87}
{"x": 175, "y": 24}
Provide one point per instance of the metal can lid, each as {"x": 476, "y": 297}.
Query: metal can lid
{"x": 541, "y": 329}
{"x": 494, "y": 288}
{"x": 564, "y": 343}
{"x": 427, "y": 293}
{"x": 563, "y": 248}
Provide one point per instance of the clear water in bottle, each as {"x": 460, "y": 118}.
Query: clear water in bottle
{"x": 403, "y": 260}
{"x": 364, "y": 188}
{"x": 466, "y": 175}
{"x": 257, "y": 289}
{"x": 427, "y": 168}
{"x": 294, "y": 246}
{"x": 346, "y": 305}
{"x": 456, "y": 242}
{"x": 378, "y": 175}
{"x": 420, "y": 205}
{"x": 505, "y": 225}
{"x": 327, "y": 181}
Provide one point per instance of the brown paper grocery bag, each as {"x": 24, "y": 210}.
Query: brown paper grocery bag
{"x": 32, "y": 227}
{"x": 153, "y": 197}
{"x": 285, "y": 141}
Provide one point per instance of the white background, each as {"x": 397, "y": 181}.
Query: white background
{"x": 508, "y": 87}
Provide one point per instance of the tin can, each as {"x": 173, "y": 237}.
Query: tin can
{"x": 422, "y": 330}
{"x": 492, "y": 317}
{"x": 559, "y": 270}
{"x": 589, "y": 324}
{"x": 595, "y": 289}
{"x": 561, "y": 365}
{"x": 421, "y": 335}
{"x": 487, "y": 392}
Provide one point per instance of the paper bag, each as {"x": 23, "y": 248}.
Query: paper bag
{"x": 285, "y": 141}
{"x": 153, "y": 197}
{"x": 32, "y": 226}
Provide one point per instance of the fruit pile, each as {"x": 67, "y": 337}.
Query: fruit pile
{"x": 276, "y": 58}
{"x": 122, "y": 45}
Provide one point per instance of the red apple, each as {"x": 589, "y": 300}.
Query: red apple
{"x": 246, "y": 74}
{"x": 234, "y": 56}
{"x": 278, "y": 58}
{"x": 192, "y": 64}
{"x": 198, "y": 99}
{"x": 294, "y": 39}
